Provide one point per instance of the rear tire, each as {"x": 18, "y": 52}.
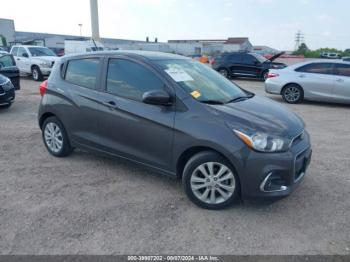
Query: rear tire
{"x": 55, "y": 137}
{"x": 293, "y": 94}
{"x": 36, "y": 74}
{"x": 210, "y": 181}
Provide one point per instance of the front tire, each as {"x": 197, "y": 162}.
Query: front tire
{"x": 264, "y": 75}
{"x": 55, "y": 137}
{"x": 36, "y": 74}
{"x": 224, "y": 72}
{"x": 293, "y": 94}
{"x": 210, "y": 181}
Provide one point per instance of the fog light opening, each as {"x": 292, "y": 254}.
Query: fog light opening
{"x": 273, "y": 183}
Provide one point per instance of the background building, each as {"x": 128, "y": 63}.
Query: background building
{"x": 7, "y": 31}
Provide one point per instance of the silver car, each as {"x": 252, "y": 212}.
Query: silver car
{"x": 318, "y": 80}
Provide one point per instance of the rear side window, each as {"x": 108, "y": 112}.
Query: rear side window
{"x": 342, "y": 69}
{"x": 317, "y": 68}
{"x": 83, "y": 72}
{"x": 14, "y": 51}
{"x": 6, "y": 61}
{"x": 130, "y": 80}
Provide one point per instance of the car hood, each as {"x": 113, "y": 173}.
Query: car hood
{"x": 3, "y": 79}
{"x": 260, "y": 114}
{"x": 274, "y": 57}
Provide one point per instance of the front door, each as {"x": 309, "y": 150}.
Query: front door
{"x": 22, "y": 61}
{"x": 341, "y": 92}
{"x": 129, "y": 127}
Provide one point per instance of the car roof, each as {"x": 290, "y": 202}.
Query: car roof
{"x": 151, "y": 55}
{"x": 29, "y": 46}
{"x": 335, "y": 61}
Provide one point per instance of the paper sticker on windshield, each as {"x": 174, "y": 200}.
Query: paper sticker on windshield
{"x": 179, "y": 75}
{"x": 195, "y": 94}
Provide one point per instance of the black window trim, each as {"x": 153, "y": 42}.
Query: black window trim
{"x": 167, "y": 85}
{"x": 332, "y": 72}
{"x": 98, "y": 74}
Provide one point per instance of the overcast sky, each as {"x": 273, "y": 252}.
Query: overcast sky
{"x": 325, "y": 23}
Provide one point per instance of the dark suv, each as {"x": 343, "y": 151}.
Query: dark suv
{"x": 178, "y": 117}
{"x": 242, "y": 64}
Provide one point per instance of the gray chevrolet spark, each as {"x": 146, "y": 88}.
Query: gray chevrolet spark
{"x": 177, "y": 117}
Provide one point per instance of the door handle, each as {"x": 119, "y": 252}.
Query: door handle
{"x": 18, "y": 59}
{"x": 301, "y": 76}
{"x": 340, "y": 80}
{"x": 111, "y": 104}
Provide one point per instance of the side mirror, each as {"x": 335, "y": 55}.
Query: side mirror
{"x": 156, "y": 97}
{"x": 25, "y": 55}
{"x": 256, "y": 63}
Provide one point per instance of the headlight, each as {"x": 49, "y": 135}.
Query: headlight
{"x": 264, "y": 142}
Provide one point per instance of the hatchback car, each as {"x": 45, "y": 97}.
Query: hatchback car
{"x": 322, "y": 80}
{"x": 243, "y": 64}
{"x": 178, "y": 117}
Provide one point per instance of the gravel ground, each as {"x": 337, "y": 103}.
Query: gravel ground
{"x": 88, "y": 204}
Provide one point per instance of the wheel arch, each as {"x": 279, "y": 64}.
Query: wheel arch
{"x": 45, "y": 116}
{"x": 190, "y": 152}
{"x": 291, "y": 83}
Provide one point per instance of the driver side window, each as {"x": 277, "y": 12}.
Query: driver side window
{"x": 22, "y": 52}
{"x": 130, "y": 80}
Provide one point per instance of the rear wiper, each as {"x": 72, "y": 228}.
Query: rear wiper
{"x": 239, "y": 98}
{"x": 212, "y": 102}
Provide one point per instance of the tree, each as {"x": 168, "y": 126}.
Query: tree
{"x": 302, "y": 50}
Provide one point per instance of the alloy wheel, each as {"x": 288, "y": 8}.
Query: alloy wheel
{"x": 212, "y": 183}
{"x": 292, "y": 94}
{"x": 53, "y": 137}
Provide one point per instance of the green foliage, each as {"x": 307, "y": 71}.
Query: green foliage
{"x": 305, "y": 51}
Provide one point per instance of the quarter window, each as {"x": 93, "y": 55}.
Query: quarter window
{"x": 83, "y": 72}
{"x": 130, "y": 80}
{"x": 316, "y": 68}
{"x": 342, "y": 69}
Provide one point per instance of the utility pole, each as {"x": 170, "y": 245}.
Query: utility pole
{"x": 94, "y": 20}
{"x": 80, "y": 28}
{"x": 299, "y": 39}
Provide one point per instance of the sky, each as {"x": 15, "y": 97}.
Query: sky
{"x": 324, "y": 23}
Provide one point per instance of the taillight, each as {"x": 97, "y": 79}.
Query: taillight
{"x": 271, "y": 75}
{"x": 43, "y": 87}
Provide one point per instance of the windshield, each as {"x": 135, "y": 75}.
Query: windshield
{"x": 260, "y": 58}
{"x": 202, "y": 82}
{"x": 41, "y": 51}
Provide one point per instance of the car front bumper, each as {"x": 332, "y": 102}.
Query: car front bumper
{"x": 7, "y": 97}
{"x": 45, "y": 71}
{"x": 274, "y": 175}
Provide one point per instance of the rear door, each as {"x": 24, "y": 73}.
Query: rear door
{"x": 23, "y": 60}
{"x": 317, "y": 80}
{"x": 129, "y": 127}
{"x": 341, "y": 91}
{"x": 234, "y": 62}
{"x": 81, "y": 110}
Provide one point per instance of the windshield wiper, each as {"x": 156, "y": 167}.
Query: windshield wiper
{"x": 212, "y": 102}
{"x": 240, "y": 98}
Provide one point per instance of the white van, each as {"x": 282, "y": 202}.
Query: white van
{"x": 77, "y": 46}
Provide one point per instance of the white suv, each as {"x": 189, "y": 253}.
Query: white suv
{"x": 35, "y": 60}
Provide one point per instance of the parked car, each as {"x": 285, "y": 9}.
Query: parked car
{"x": 34, "y": 60}
{"x": 9, "y": 69}
{"x": 346, "y": 58}
{"x": 317, "y": 80}
{"x": 179, "y": 117}
{"x": 242, "y": 64}
{"x": 330, "y": 55}
{"x": 7, "y": 92}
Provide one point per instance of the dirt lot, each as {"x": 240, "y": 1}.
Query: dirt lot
{"x": 88, "y": 204}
